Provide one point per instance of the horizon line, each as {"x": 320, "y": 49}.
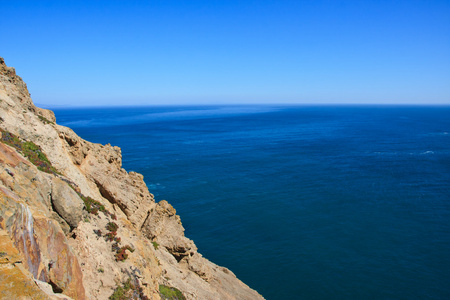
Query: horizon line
{"x": 59, "y": 106}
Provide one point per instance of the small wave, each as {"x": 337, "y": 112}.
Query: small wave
{"x": 155, "y": 186}
{"x": 437, "y": 133}
{"x": 427, "y": 152}
{"x": 441, "y": 133}
{"x": 75, "y": 124}
{"x": 387, "y": 153}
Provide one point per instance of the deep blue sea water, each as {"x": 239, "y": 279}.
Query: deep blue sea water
{"x": 301, "y": 202}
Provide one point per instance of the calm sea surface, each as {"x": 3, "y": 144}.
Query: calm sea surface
{"x": 299, "y": 202}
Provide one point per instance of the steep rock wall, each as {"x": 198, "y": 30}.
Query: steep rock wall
{"x": 120, "y": 238}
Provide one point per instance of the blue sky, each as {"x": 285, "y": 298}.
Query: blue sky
{"x": 237, "y": 52}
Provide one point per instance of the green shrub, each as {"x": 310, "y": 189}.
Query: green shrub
{"x": 170, "y": 293}
{"x": 45, "y": 120}
{"x": 121, "y": 255}
{"x": 111, "y": 226}
{"x": 119, "y": 294}
{"x": 128, "y": 290}
{"x": 92, "y": 206}
{"x": 110, "y": 236}
{"x": 155, "y": 245}
{"x": 30, "y": 150}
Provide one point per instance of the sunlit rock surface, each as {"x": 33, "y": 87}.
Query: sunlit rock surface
{"x": 75, "y": 225}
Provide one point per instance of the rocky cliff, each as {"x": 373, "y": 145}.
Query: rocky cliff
{"x": 75, "y": 225}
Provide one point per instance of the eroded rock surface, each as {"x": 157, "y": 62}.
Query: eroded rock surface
{"x": 84, "y": 228}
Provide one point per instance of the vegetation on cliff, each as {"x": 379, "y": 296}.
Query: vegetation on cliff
{"x": 170, "y": 293}
{"x": 128, "y": 290}
{"x": 30, "y": 150}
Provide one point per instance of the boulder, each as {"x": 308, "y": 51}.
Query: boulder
{"x": 66, "y": 202}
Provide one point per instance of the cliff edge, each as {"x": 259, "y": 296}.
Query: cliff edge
{"x": 75, "y": 225}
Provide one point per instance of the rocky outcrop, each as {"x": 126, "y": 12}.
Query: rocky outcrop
{"x": 185, "y": 268}
{"x": 26, "y": 218}
{"x": 164, "y": 227}
{"x": 75, "y": 225}
{"x": 14, "y": 88}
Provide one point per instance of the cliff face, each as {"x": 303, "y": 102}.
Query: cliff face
{"x": 75, "y": 224}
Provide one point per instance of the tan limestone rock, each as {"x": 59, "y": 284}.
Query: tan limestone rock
{"x": 66, "y": 202}
{"x": 163, "y": 225}
{"x": 82, "y": 263}
{"x": 127, "y": 190}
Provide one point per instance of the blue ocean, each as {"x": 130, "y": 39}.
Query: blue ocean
{"x": 300, "y": 202}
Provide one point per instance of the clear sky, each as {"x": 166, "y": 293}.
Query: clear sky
{"x": 216, "y": 52}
